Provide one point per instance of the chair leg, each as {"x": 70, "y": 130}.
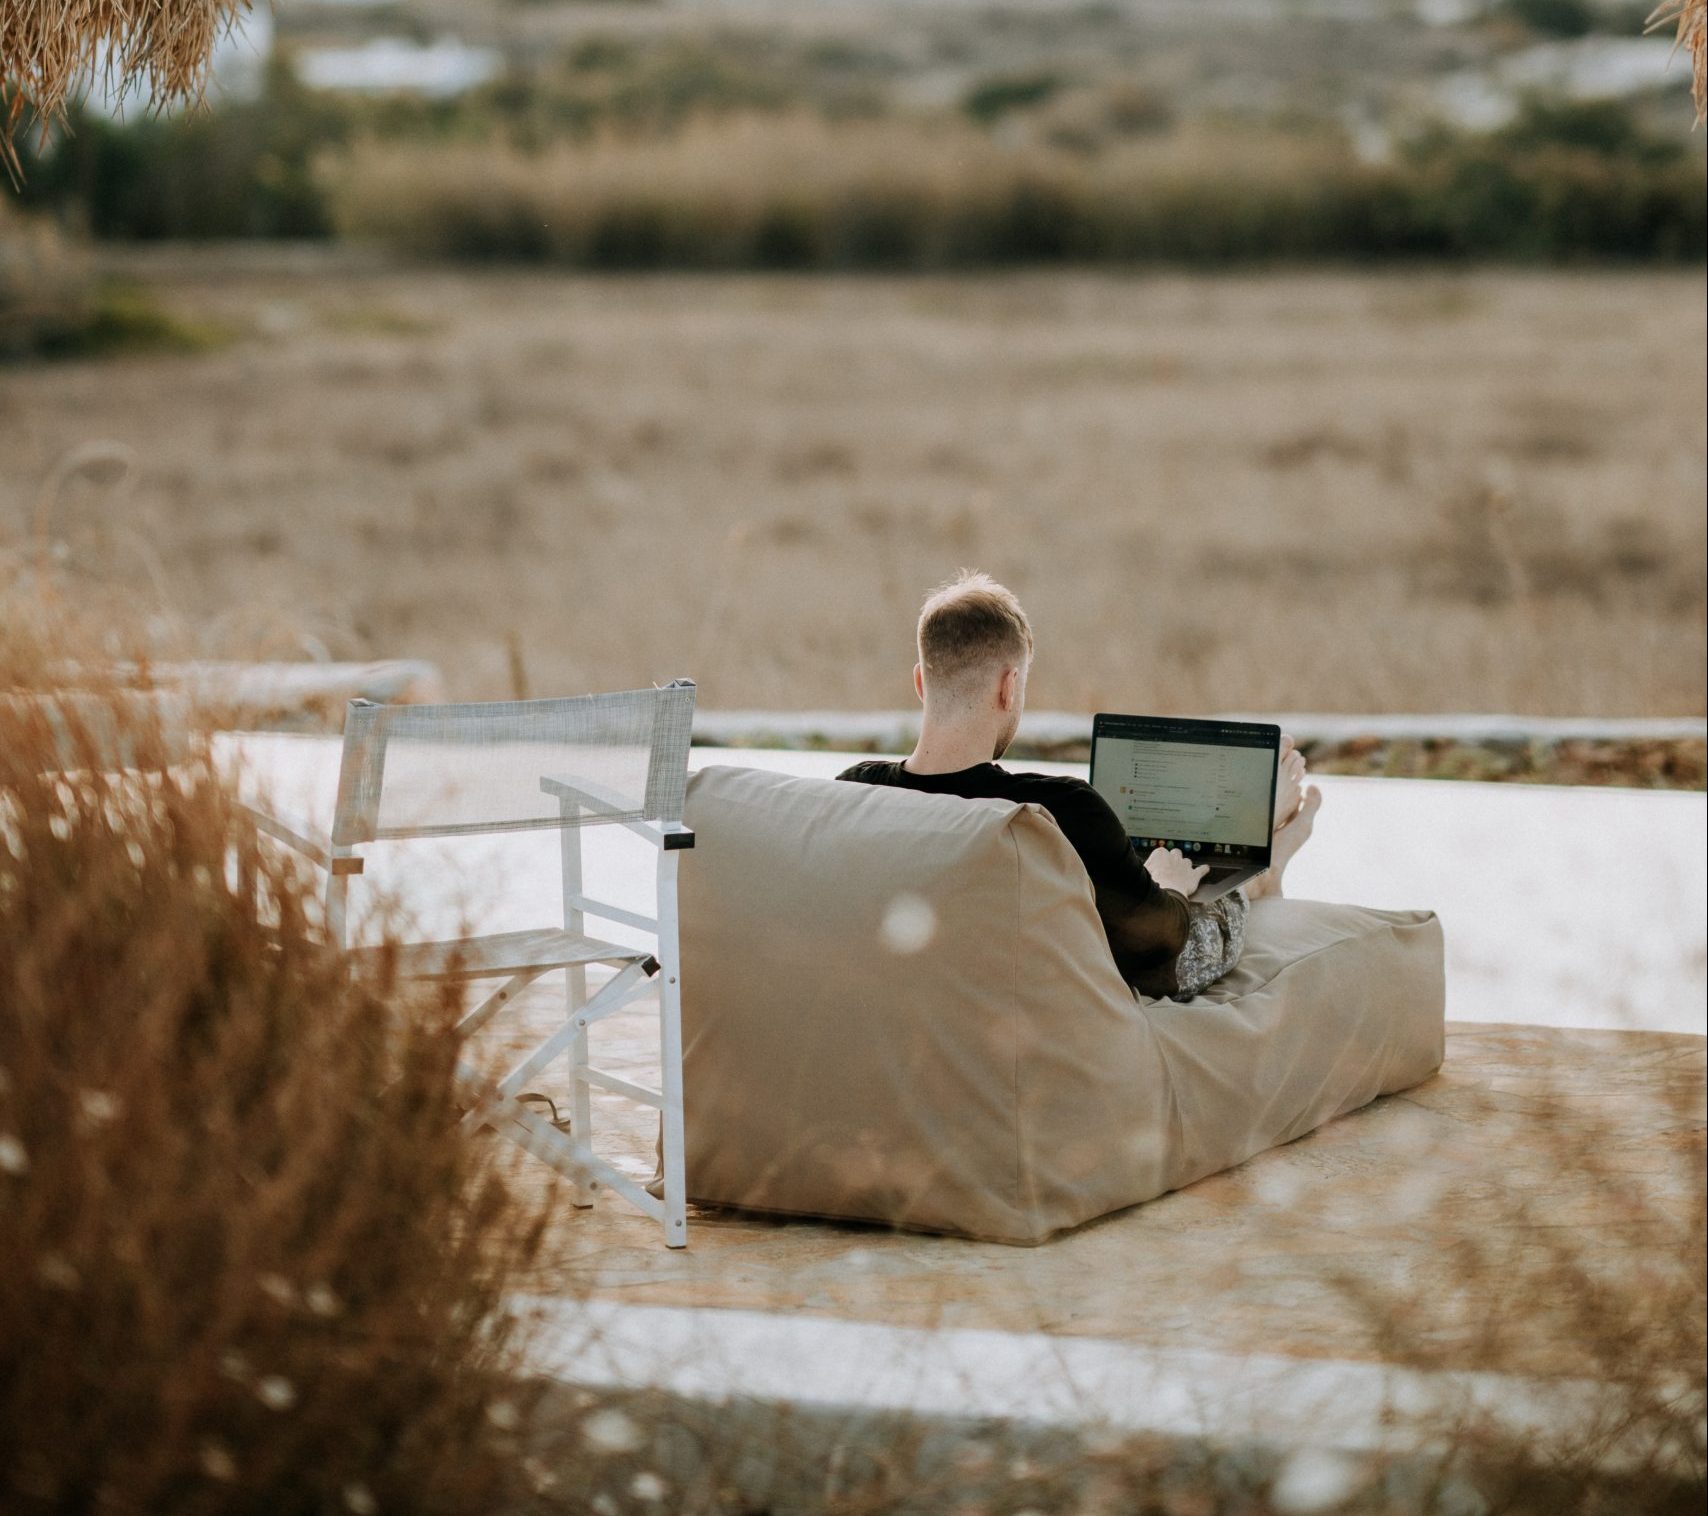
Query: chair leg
{"x": 575, "y": 996}
{"x": 581, "y": 1100}
{"x": 670, "y": 1059}
{"x": 337, "y": 910}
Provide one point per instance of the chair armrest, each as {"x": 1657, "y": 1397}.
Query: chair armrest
{"x": 668, "y": 835}
{"x": 301, "y": 837}
{"x": 599, "y": 801}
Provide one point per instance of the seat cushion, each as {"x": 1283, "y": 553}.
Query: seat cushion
{"x": 901, "y": 1008}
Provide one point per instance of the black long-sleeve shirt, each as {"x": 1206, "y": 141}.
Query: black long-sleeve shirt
{"x": 1147, "y": 925}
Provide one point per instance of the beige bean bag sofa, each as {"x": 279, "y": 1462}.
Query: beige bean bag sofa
{"x": 901, "y": 1008}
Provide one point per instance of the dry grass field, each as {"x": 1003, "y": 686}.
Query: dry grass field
{"x": 1328, "y": 491}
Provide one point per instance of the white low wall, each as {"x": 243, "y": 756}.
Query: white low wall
{"x": 895, "y": 731}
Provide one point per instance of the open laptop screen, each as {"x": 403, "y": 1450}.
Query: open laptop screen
{"x": 1206, "y": 787}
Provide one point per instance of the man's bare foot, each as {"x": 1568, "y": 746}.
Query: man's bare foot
{"x": 1289, "y": 782}
{"x": 1285, "y": 847}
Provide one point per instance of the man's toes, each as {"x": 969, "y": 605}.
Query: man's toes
{"x": 1299, "y": 823}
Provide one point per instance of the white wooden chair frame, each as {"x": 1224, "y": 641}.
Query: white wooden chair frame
{"x": 519, "y": 958}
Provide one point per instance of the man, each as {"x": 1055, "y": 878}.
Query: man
{"x": 975, "y": 650}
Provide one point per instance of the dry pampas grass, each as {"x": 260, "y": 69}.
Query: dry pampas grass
{"x": 251, "y": 1261}
{"x": 1691, "y": 18}
{"x": 48, "y": 46}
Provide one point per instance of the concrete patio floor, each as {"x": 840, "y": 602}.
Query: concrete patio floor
{"x": 1527, "y": 1138}
{"x": 1411, "y": 1255}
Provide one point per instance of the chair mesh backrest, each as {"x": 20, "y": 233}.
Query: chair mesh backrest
{"x": 440, "y": 770}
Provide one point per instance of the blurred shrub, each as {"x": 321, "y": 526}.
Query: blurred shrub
{"x": 52, "y": 306}
{"x": 793, "y": 191}
{"x": 1608, "y": 127}
{"x": 242, "y": 170}
{"x": 1133, "y": 109}
{"x": 125, "y": 318}
{"x": 991, "y": 98}
{"x": 1091, "y": 119}
{"x": 1477, "y": 199}
{"x": 676, "y": 83}
{"x": 250, "y": 1261}
{"x": 1552, "y": 18}
{"x": 45, "y": 283}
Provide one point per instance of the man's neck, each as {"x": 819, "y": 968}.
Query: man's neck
{"x": 947, "y": 751}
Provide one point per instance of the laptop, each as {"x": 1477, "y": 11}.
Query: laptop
{"x": 1205, "y": 787}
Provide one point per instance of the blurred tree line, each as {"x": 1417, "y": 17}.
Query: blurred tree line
{"x": 1561, "y": 182}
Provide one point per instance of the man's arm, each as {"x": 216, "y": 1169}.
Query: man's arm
{"x": 1147, "y": 922}
{"x": 1107, "y": 851}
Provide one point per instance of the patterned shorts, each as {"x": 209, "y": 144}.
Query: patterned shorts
{"x": 1214, "y": 941}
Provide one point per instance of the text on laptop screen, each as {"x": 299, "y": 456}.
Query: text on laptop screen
{"x": 1187, "y": 790}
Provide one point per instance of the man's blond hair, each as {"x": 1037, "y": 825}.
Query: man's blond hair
{"x": 969, "y": 624}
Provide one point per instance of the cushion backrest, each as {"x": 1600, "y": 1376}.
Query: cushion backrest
{"x": 902, "y": 1008}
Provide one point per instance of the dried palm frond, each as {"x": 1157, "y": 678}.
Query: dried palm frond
{"x": 1691, "y": 18}
{"x": 47, "y": 47}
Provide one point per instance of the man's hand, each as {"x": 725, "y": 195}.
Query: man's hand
{"x": 1168, "y": 866}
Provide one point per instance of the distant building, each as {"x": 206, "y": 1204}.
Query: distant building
{"x": 440, "y": 69}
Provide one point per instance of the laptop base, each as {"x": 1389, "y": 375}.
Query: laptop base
{"x": 1214, "y": 886}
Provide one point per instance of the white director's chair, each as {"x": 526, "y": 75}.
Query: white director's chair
{"x": 419, "y": 771}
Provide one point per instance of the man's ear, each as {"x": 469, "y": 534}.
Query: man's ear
{"x": 1008, "y": 692}
{"x": 919, "y": 680}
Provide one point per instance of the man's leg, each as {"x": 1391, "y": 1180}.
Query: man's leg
{"x": 1289, "y": 782}
{"x": 1215, "y": 938}
{"x": 1285, "y": 848}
